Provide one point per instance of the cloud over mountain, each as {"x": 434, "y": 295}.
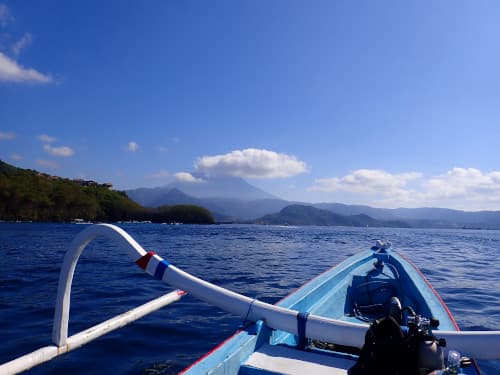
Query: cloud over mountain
{"x": 188, "y": 177}
{"x": 251, "y": 163}
{"x": 367, "y": 181}
{"x": 465, "y": 183}
{"x": 459, "y": 187}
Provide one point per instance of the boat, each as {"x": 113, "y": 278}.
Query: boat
{"x": 81, "y": 221}
{"x": 373, "y": 312}
{"x": 340, "y": 305}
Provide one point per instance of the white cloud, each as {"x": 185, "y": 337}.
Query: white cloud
{"x": 7, "y": 135}
{"x": 11, "y": 71}
{"x": 367, "y": 181}
{"x": 47, "y": 163}
{"x": 252, "y": 163}
{"x": 22, "y": 43}
{"x": 46, "y": 138}
{"x": 132, "y": 147}
{"x": 5, "y": 16}
{"x": 459, "y": 188}
{"x": 63, "y": 151}
{"x": 188, "y": 177}
{"x": 464, "y": 183}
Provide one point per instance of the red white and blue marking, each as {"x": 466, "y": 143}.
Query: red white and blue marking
{"x": 153, "y": 264}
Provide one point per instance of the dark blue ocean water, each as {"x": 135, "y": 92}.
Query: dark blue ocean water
{"x": 263, "y": 262}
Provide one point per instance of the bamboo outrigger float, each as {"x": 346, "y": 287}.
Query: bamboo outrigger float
{"x": 336, "y": 307}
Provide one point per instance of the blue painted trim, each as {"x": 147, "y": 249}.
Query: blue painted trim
{"x": 160, "y": 269}
{"x": 301, "y": 329}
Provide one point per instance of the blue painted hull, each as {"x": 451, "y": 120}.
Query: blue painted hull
{"x": 354, "y": 291}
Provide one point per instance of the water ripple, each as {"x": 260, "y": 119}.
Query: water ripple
{"x": 262, "y": 262}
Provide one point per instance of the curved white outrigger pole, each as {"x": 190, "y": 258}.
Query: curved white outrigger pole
{"x": 63, "y": 343}
{"x": 112, "y": 232}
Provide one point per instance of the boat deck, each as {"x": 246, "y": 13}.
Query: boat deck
{"x": 276, "y": 359}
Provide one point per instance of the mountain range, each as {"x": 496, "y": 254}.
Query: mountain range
{"x": 200, "y": 188}
{"x": 297, "y": 214}
{"x": 232, "y": 199}
{"x": 228, "y": 198}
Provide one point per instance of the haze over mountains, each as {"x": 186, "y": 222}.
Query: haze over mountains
{"x": 228, "y": 198}
{"x": 202, "y": 187}
{"x": 232, "y": 199}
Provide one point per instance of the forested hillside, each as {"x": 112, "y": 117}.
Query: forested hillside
{"x": 30, "y": 195}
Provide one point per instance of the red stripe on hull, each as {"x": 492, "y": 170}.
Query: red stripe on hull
{"x": 210, "y": 352}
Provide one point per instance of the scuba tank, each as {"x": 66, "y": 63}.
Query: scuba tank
{"x": 426, "y": 349}
{"x": 389, "y": 350}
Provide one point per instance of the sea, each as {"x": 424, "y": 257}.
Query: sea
{"x": 264, "y": 262}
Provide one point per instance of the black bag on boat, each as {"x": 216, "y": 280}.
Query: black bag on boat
{"x": 384, "y": 351}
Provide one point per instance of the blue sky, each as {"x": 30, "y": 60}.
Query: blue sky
{"x": 386, "y": 103}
